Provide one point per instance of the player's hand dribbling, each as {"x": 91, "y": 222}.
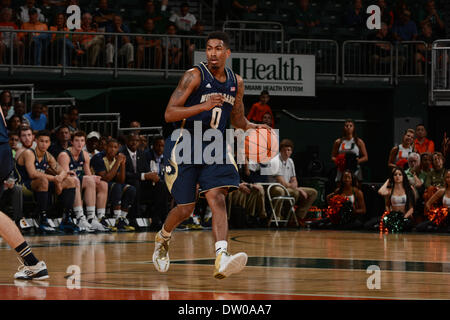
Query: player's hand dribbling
{"x": 214, "y": 101}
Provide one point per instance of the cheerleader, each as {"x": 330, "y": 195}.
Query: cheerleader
{"x": 347, "y": 189}
{"x": 441, "y": 196}
{"x": 399, "y": 196}
{"x": 398, "y": 157}
{"x": 349, "y": 144}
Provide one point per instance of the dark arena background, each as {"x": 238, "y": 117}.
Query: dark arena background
{"x": 341, "y": 82}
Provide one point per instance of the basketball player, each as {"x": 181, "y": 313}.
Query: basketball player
{"x": 95, "y": 190}
{"x": 211, "y": 94}
{"x": 33, "y": 166}
{"x": 31, "y": 267}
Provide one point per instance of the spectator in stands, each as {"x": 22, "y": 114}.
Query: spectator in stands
{"x": 32, "y": 166}
{"x": 285, "y": 175}
{"x": 14, "y": 141}
{"x": 155, "y": 157}
{"x": 103, "y": 15}
{"x": 19, "y": 110}
{"x": 159, "y": 17}
{"x": 353, "y": 150}
{"x": 25, "y": 11}
{"x": 36, "y": 119}
{"x": 382, "y": 54}
{"x": 146, "y": 182}
{"x": 90, "y": 44}
{"x": 249, "y": 196}
{"x": 400, "y": 7}
{"x": 49, "y": 10}
{"x": 422, "y": 143}
{"x": 446, "y": 149}
{"x": 37, "y": 40}
{"x": 387, "y": 16}
{"x": 398, "y": 157}
{"x": 149, "y": 51}
{"x": 63, "y": 141}
{"x": 426, "y": 162}
{"x": 73, "y": 119}
{"x": 356, "y": 16}
{"x": 58, "y": 41}
{"x": 6, "y": 104}
{"x": 94, "y": 190}
{"x": 305, "y": 16}
{"x": 111, "y": 167}
{"x": 174, "y": 47}
{"x": 92, "y": 140}
{"x": 424, "y": 51}
{"x": 436, "y": 176}
{"x": 414, "y": 172}
{"x": 241, "y": 7}
{"x": 124, "y": 45}
{"x": 405, "y": 29}
{"x": 268, "y": 119}
{"x": 259, "y": 108}
{"x": 14, "y": 123}
{"x": 135, "y": 124}
{"x": 431, "y": 16}
{"x": 102, "y": 143}
{"x": 10, "y": 38}
{"x": 184, "y": 21}
{"x": 143, "y": 145}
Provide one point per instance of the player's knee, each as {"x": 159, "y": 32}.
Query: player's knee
{"x": 102, "y": 187}
{"x": 186, "y": 210}
{"x": 88, "y": 183}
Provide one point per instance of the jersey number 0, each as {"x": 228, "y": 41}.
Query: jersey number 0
{"x": 215, "y": 117}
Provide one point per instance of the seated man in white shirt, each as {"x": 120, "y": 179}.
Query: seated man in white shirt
{"x": 284, "y": 173}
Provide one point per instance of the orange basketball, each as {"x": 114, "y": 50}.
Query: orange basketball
{"x": 261, "y": 144}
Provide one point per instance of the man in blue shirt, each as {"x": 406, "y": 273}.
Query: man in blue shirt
{"x": 37, "y": 120}
{"x": 124, "y": 45}
{"x": 405, "y": 29}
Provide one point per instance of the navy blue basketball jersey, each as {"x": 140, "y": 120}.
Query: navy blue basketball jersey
{"x": 217, "y": 117}
{"x": 41, "y": 166}
{"x": 76, "y": 165}
{"x": 3, "y": 130}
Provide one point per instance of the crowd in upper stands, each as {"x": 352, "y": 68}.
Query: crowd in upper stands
{"x": 402, "y": 20}
{"x": 102, "y": 16}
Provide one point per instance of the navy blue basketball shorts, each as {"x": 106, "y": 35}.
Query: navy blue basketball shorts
{"x": 182, "y": 179}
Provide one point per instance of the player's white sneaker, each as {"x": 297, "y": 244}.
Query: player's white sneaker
{"x": 161, "y": 254}
{"x": 36, "y": 272}
{"x": 227, "y": 264}
{"x": 97, "y": 226}
{"x": 84, "y": 225}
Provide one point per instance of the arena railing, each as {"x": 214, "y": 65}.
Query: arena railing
{"x": 59, "y": 49}
{"x": 107, "y": 124}
{"x": 56, "y": 110}
{"x": 440, "y": 69}
{"x": 412, "y": 59}
{"x": 368, "y": 59}
{"x": 255, "y": 36}
{"x": 325, "y": 51}
{"x": 23, "y": 92}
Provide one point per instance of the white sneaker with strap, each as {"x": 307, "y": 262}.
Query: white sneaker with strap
{"x": 227, "y": 264}
{"x": 36, "y": 272}
{"x": 161, "y": 259}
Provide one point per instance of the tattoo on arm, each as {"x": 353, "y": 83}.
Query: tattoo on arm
{"x": 184, "y": 83}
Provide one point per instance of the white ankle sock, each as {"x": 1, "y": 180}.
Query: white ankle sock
{"x": 165, "y": 234}
{"x": 117, "y": 214}
{"x": 221, "y": 246}
{"x": 90, "y": 212}
{"x": 100, "y": 213}
{"x": 78, "y": 212}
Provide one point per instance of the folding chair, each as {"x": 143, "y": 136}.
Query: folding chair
{"x": 273, "y": 200}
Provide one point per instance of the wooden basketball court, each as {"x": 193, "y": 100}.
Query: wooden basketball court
{"x": 283, "y": 264}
